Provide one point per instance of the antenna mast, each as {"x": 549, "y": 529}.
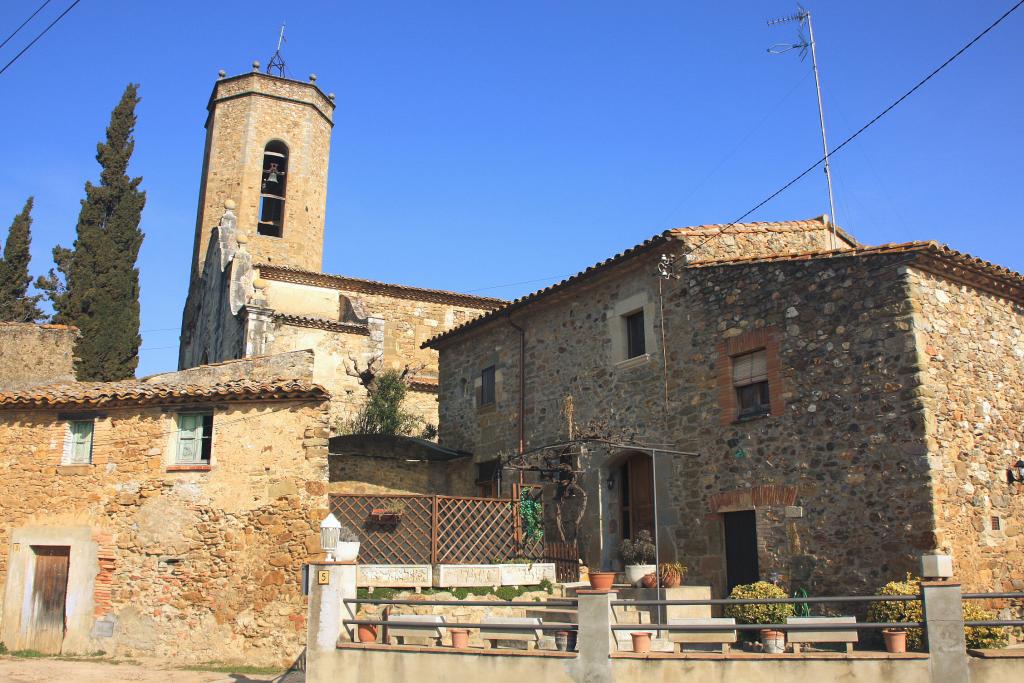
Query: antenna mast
{"x": 803, "y": 16}
{"x": 276, "y": 62}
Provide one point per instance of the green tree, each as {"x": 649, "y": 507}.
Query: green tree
{"x": 15, "y": 303}
{"x": 97, "y": 288}
{"x": 383, "y": 413}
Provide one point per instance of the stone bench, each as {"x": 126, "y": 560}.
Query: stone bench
{"x": 432, "y": 628}
{"x": 797, "y": 638}
{"x": 723, "y": 639}
{"x": 527, "y": 635}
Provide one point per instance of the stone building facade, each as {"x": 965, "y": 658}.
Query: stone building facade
{"x": 884, "y": 429}
{"x": 163, "y": 554}
{"x": 36, "y": 354}
{"x": 257, "y": 287}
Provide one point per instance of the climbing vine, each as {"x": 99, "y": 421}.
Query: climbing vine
{"x": 532, "y": 514}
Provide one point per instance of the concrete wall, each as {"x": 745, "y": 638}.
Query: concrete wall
{"x": 33, "y": 354}
{"x": 194, "y": 565}
{"x": 971, "y": 350}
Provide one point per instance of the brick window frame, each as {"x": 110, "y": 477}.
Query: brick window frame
{"x": 729, "y": 348}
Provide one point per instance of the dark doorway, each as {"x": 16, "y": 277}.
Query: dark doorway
{"x": 636, "y": 495}
{"x": 49, "y": 593}
{"x": 741, "y": 548}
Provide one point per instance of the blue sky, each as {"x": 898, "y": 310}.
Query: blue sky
{"x": 478, "y": 145}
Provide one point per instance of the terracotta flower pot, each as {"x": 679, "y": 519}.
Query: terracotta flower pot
{"x": 367, "y": 633}
{"x": 774, "y": 641}
{"x": 641, "y": 641}
{"x": 671, "y": 580}
{"x": 895, "y": 640}
{"x": 649, "y": 580}
{"x": 601, "y": 581}
{"x": 460, "y": 638}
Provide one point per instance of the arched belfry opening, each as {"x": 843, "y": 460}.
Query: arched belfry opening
{"x": 273, "y": 189}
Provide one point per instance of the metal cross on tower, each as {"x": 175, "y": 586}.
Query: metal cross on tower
{"x": 803, "y": 16}
{"x": 276, "y": 62}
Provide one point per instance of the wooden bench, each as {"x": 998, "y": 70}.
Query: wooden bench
{"x": 797, "y": 638}
{"x": 724, "y": 639}
{"x": 432, "y": 628}
{"x": 528, "y": 635}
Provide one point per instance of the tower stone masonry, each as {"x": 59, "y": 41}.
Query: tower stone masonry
{"x": 250, "y": 115}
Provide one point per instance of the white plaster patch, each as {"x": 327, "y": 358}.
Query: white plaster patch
{"x": 394, "y": 575}
{"x": 467, "y": 575}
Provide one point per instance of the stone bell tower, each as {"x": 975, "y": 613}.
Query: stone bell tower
{"x": 267, "y": 145}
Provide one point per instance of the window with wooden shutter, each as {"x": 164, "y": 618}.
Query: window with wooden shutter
{"x": 636, "y": 343}
{"x": 750, "y": 378}
{"x": 78, "y": 443}
{"x": 195, "y": 435}
{"x": 488, "y": 393}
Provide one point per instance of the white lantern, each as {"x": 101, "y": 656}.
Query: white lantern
{"x": 330, "y": 533}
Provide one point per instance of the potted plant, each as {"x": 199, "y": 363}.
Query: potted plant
{"x": 348, "y": 546}
{"x": 389, "y": 512}
{"x": 639, "y": 555}
{"x": 641, "y": 641}
{"x": 895, "y": 640}
{"x": 460, "y": 638}
{"x": 367, "y": 633}
{"x": 978, "y": 637}
{"x": 671, "y": 574}
{"x": 773, "y": 641}
{"x": 601, "y": 581}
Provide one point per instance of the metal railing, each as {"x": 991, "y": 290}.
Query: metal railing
{"x": 557, "y": 603}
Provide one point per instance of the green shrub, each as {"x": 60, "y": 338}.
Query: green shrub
{"x": 910, "y": 610}
{"x": 3, "y": 649}
{"x": 639, "y": 550}
{"x": 759, "y": 614}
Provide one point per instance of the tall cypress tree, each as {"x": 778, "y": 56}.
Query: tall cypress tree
{"x": 99, "y": 293}
{"x": 15, "y": 303}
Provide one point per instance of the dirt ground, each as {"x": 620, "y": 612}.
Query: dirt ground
{"x": 24, "y": 670}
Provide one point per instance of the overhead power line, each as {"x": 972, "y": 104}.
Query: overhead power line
{"x": 25, "y": 23}
{"x": 863, "y": 128}
{"x": 45, "y": 31}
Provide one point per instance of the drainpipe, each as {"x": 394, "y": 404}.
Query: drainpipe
{"x": 522, "y": 386}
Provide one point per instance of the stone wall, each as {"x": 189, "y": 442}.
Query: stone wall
{"x": 356, "y": 474}
{"x": 971, "y": 347}
{"x": 849, "y": 418}
{"x": 193, "y": 565}
{"x": 247, "y": 112}
{"x": 297, "y": 365}
{"x": 33, "y": 354}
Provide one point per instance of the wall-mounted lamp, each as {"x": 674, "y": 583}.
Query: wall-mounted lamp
{"x": 330, "y": 534}
{"x": 1015, "y": 473}
{"x": 611, "y": 480}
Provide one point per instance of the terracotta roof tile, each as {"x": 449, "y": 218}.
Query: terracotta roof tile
{"x": 813, "y": 224}
{"x": 270, "y": 271}
{"x": 942, "y": 259}
{"x": 134, "y": 392}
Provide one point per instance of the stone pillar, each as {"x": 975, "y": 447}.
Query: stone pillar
{"x": 326, "y": 613}
{"x": 944, "y": 630}
{"x": 595, "y": 640}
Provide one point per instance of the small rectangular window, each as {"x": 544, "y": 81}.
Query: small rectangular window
{"x": 636, "y": 344}
{"x": 78, "y": 443}
{"x": 750, "y": 378}
{"x": 996, "y": 524}
{"x": 195, "y": 438}
{"x": 487, "y": 393}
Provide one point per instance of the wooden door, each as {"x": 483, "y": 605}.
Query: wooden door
{"x": 637, "y": 495}
{"x": 49, "y": 593}
{"x": 741, "y": 548}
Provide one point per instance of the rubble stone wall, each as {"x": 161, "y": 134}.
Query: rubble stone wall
{"x": 971, "y": 346}
{"x": 192, "y": 565}
{"x": 32, "y": 354}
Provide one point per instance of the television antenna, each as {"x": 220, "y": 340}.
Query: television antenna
{"x": 805, "y": 44}
{"x": 276, "y": 62}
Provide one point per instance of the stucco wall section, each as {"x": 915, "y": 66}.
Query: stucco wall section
{"x": 33, "y": 354}
{"x": 971, "y": 346}
{"x": 195, "y": 565}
